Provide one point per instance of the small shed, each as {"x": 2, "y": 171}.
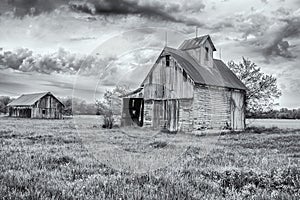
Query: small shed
{"x": 37, "y": 105}
{"x": 187, "y": 90}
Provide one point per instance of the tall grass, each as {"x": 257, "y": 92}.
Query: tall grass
{"x": 42, "y": 159}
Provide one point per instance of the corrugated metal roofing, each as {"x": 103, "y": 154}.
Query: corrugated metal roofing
{"x": 196, "y": 42}
{"x": 28, "y": 99}
{"x": 218, "y": 75}
{"x": 132, "y": 92}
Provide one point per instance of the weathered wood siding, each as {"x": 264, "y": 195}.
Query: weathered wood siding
{"x": 167, "y": 82}
{"x": 186, "y": 115}
{"x": 148, "y": 113}
{"x": 199, "y": 54}
{"x": 47, "y": 107}
{"x": 171, "y": 114}
{"x": 23, "y": 112}
{"x": 237, "y": 110}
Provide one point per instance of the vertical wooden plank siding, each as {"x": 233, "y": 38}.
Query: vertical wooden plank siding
{"x": 237, "y": 110}
{"x": 167, "y": 82}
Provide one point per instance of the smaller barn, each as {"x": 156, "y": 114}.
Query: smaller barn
{"x": 38, "y": 105}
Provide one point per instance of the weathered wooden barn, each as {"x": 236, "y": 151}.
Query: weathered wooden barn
{"x": 38, "y": 105}
{"x": 187, "y": 90}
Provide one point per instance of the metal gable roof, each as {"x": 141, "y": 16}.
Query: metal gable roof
{"x": 196, "y": 42}
{"x": 28, "y": 99}
{"x": 218, "y": 75}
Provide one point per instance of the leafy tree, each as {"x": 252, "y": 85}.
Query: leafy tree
{"x": 4, "y": 100}
{"x": 111, "y": 104}
{"x": 78, "y": 106}
{"x": 68, "y": 105}
{"x": 262, "y": 88}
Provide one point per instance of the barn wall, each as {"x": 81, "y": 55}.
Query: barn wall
{"x": 218, "y": 108}
{"x": 23, "y": 112}
{"x": 155, "y": 114}
{"x": 186, "y": 115}
{"x": 148, "y": 113}
{"x": 199, "y": 54}
{"x": 47, "y": 107}
{"x": 167, "y": 82}
{"x": 211, "y": 108}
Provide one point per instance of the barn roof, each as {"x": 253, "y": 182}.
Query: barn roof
{"x": 196, "y": 42}
{"x": 29, "y": 99}
{"x": 218, "y": 75}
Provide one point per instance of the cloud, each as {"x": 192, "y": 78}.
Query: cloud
{"x": 265, "y": 1}
{"x": 154, "y": 9}
{"x": 62, "y": 61}
{"x": 20, "y": 8}
{"x": 270, "y": 35}
{"x": 279, "y": 45}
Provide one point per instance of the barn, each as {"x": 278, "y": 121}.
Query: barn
{"x": 187, "y": 90}
{"x": 37, "y": 105}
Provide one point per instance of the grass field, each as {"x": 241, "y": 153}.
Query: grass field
{"x": 280, "y": 123}
{"x": 60, "y": 159}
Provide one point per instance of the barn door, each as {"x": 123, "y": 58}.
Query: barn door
{"x": 157, "y": 114}
{"x": 172, "y": 115}
{"x": 133, "y": 111}
{"x": 237, "y": 111}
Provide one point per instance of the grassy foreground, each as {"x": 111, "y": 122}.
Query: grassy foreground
{"x": 57, "y": 159}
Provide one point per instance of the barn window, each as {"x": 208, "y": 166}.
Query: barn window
{"x": 167, "y": 60}
{"x": 43, "y": 111}
{"x": 206, "y": 53}
{"x": 184, "y": 76}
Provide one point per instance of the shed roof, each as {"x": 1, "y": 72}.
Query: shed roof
{"x": 218, "y": 75}
{"x": 196, "y": 42}
{"x": 29, "y": 99}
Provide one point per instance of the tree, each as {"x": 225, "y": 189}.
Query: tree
{"x": 111, "y": 104}
{"x": 68, "y": 105}
{"x": 4, "y": 100}
{"x": 262, "y": 88}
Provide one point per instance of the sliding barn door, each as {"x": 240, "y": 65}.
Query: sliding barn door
{"x": 172, "y": 115}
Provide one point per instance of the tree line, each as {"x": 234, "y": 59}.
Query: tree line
{"x": 283, "y": 113}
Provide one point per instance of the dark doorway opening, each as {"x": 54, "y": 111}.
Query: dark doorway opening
{"x": 25, "y": 112}
{"x": 133, "y": 111}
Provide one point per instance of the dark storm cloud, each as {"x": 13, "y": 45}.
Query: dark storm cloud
{"x": 280, "y": 45}
{"x": 153, "y": 9}
{"x": 270, "y": 35}
{"x": 150, "y": 9}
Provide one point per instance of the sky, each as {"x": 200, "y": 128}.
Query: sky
{"x": 82, "y": 48}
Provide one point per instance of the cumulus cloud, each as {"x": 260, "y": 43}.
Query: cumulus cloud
{"x": 280, "y": 45}
{"x": 64, "y": 62}
{"x": 270, "y": 35}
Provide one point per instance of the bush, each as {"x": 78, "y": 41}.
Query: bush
{"x": 108, "y": 121}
